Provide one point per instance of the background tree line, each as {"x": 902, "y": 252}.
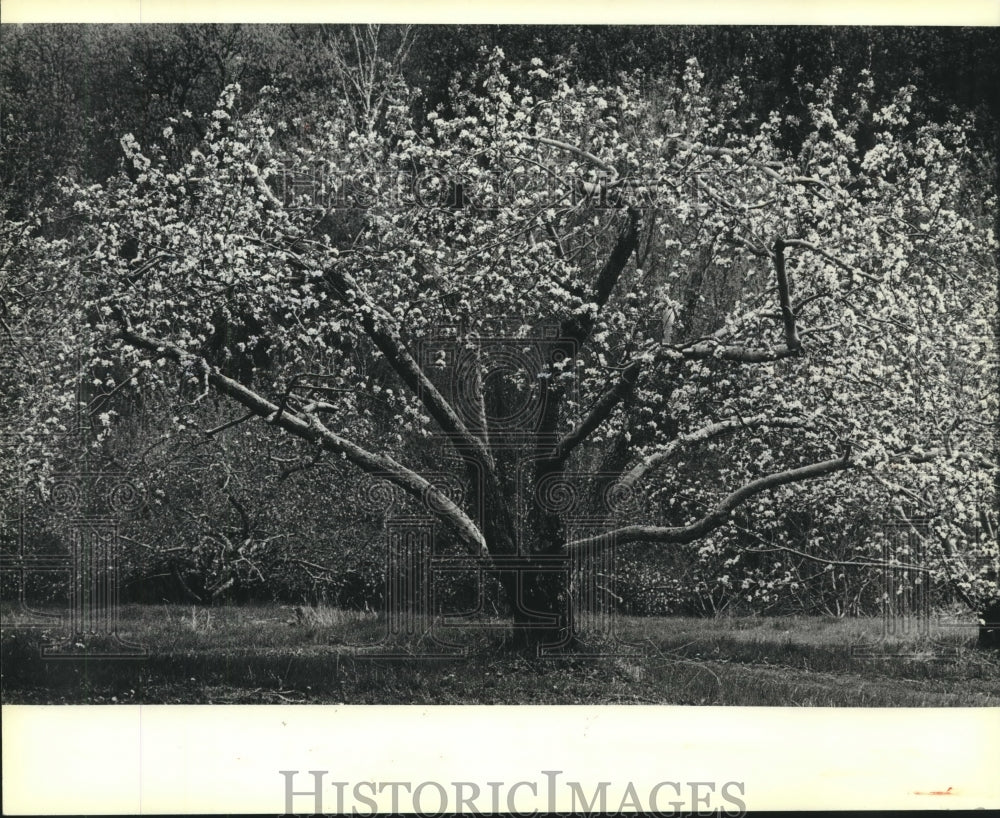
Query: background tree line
{"x": 69, "y": 92}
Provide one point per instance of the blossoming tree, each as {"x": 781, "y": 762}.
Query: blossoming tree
{"x": 572, "y": 293}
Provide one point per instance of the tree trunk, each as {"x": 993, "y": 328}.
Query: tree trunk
{"x": 538, "y": 594}
{"x": 989, "y": 631}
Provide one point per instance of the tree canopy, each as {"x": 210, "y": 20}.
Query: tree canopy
{"x": 628, "y": 294}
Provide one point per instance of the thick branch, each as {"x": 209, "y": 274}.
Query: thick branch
{"x": 598, "y": 414}
{"x": 309, "y": 428}
{"x": 566, "y": 146}
{"x": 377, "y": 324}
{"x": 657, "y": 459}
{"x": 792, "y": 347}
{"x": 480, "y": 397}
{"x": 626, "y": 244}
{"x": 578, "y": 329}
{"x": 575, "y": 331}
{"x": 733, "y": 352}
{"x": 715, "y": 518}
{"x": 784, "y": 299}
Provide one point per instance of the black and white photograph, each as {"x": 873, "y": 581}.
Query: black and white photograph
{"x": 477, "y": 364}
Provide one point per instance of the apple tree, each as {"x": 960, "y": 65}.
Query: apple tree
{"x": 621, "y": 314}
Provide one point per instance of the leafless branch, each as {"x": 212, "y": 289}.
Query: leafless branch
{"x": 229, "y": 424}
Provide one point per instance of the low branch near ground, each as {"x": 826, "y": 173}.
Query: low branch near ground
{"x": 718, "y": 516}
{"x": 313, "y": 461}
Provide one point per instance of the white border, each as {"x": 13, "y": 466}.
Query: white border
{"x": 635, "y": 12}
{"x": 195, "y": 759}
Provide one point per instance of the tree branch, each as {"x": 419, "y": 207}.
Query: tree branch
{"x": 712, "y": 348}
{"x": 715, "y": 518}
{"x": 654, "y": 461}
{"x": 286, "y": 473}
{"x": 578, "y": 328}
{"x": 949, "y": 550}
{"x": 377, "y": 324}
{"x": 229, "y": 424}
{"x": 244, "y": 516}
{"x": 784, "y": 299}
{"x": 310, "y": 429}
{"x": 915, "y": 456}
{"x": 599, "y": 412}
{"x": 732, "y": 352}
{"x": 805, "y": 245}
{"x": 768, "y": 169}
{"x": 566, "y": 146}
{"x": 628, "y": 240}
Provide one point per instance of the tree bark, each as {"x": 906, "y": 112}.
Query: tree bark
{"x": 989, "y": 630}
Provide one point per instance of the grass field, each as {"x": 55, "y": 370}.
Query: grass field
{"x": 270, "y": 654}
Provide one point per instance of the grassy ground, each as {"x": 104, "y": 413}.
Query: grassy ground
{"x": 268, "y": 653}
